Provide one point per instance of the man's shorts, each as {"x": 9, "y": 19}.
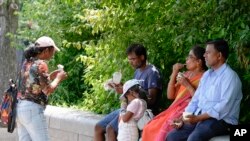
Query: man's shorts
{"x": 110, "y": 119}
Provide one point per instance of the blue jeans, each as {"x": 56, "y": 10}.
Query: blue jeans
{"x": 31, "y": 122}
{"x": 111, "y": 119}
{"x": 202, "y": 131}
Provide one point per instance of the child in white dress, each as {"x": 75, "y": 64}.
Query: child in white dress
{"x": 136, "y": 99}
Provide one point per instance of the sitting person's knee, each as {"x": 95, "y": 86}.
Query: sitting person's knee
{"x": 109, "y": 128}
{"x": 111, "y": 133}
{"x": 99, "y": 129}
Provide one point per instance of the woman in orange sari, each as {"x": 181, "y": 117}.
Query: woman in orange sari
{"x": 181, "y": 88}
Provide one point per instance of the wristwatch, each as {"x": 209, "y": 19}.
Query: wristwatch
{"x": 123, "y": 111}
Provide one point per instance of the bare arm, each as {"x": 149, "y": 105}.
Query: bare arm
{"x": 126, "y": 116}
{"x": 172, "y": 87}
{"x": 152, "y": 95}
{"x": 58, "y": 78}
{"x": 53, "y": 74}
{"x": 185, "y": 82}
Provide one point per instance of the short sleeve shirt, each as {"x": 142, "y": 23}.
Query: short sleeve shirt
{"x": 150, "y": 78}
{"x": 34, "y": 78}
{"x": 138, "y": 107}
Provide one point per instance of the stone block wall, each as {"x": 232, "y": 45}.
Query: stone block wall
{"x": 70, "y": 125}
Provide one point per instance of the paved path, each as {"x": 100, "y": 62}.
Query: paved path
{"x": 6, "y": 136}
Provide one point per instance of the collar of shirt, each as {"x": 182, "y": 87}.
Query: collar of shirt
{"x": 218, "y": 71}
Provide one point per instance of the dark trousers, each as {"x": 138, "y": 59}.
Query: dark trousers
{"x": 202, "y": 131}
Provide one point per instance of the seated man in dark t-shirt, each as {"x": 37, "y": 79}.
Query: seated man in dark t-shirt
{"x": 150, "y": 80}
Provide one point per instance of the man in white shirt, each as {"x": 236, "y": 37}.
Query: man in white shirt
{"x": 216, "y": 102}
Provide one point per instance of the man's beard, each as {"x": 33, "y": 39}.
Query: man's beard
{"x": 139, "y": 65}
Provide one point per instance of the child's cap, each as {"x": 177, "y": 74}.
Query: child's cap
{"x": 128, "y": 85}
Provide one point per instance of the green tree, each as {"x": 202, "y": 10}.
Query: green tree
{"x": 95, "y": 34}
{"x": 8, "y": 54}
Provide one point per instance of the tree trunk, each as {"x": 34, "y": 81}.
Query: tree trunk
{"x": 8, "y": 53}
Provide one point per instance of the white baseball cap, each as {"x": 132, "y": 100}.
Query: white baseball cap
{"x": 128, "y": 85}
{"x": 46, "y": 41}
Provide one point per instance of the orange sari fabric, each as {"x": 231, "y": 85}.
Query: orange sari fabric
{"x": 158, "y": 128}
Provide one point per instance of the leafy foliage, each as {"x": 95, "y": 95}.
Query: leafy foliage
{"x": 49, "y": 18}
{"x": 95, "y": 34}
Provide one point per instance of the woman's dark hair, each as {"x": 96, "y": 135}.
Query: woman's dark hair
{"x": 221, "y": 46}
{"x": 199, "y": 54}
{"x": 32, "y": 51}
{"x": 138, "y": 49}
{"x": 142, "y": 93}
